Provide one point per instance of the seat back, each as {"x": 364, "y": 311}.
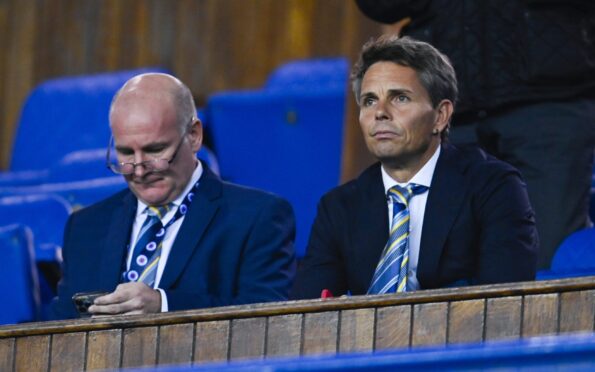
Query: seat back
{"x": 574, "y": 257}
{"x": 19, "y": 287}
{"x": 45, "y": 215}
{"x": 287, "y": 141}
{"x": 576, "y": 253}
{"x": 318, "y": 73}
{"x": 65, "y": 115}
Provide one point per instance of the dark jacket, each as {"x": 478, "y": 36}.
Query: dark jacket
{"x": 235, "y": 246}
{"x": 505, "y": 52}
{"x": 478, "y": 228}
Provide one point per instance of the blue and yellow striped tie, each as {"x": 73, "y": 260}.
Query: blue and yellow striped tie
{"x": 391, "y": 272}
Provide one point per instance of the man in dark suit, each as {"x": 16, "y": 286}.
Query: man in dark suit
{"x": 179, "y": 238}
{"x": 456, "y": 216}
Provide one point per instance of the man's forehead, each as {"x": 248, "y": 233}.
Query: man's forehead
{"x": 390, "y": 75}
{"x": 389, "y": 70}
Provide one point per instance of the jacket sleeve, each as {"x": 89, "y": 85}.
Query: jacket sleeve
{"x": 323, "y": 266}
{"x": 508, "y": 236}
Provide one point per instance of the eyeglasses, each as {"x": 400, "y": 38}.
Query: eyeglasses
{"x": 154, "y": 165}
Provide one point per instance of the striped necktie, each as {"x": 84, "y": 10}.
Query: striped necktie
{"x": 391, "y": 272}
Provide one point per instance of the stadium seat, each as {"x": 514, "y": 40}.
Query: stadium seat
{"x": 19, "y": 288}
{"x": 286, "y": 137}
{"x": 62, "y": 116}
{"x": 46, "y": 215}
{"x": 574, "y": 257}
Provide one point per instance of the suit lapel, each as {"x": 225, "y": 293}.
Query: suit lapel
{"x": 371, "y": 222}
{"x": 116, "y": 241}
{"x": 445, "y": 198}
{"x": 201, "y": 211}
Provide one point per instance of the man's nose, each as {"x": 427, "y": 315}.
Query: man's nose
{"x": 139, "y": 167}
{"x": 381, "y": 113}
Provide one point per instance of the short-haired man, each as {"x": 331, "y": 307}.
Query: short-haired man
{"x": 428, "y": 215}
{"x": 178, "y": 238}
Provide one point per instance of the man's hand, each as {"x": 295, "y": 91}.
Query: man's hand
{"x": 127, "y": 299}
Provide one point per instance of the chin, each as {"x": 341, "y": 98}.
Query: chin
{"x": 152, "y": 196}
{"x": 387, "y": 154}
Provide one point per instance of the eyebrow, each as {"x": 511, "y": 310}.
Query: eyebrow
{"x": 366, "y": 95}
{"x": 391, "y": 92}
{"x": 394, "y": 92}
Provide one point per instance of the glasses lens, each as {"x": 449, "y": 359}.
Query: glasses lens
{"x": 157, "y": 165}
{"x": 125, "y": 168}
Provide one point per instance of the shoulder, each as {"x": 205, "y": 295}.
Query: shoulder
{"x": 236, "y": 196}
{"x": 102, "y": 207}
{"x": 477, "y": 164}
{"x": 482, "y": 176}
{"x": 242, "y": 197}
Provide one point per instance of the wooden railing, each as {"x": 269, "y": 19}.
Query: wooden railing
{"x": 360, "y": 323}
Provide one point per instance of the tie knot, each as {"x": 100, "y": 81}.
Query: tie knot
{"x": 402, "y": 195}
{"x": 159, "y": 211}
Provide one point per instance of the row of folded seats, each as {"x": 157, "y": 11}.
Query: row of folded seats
{"x": 286, "y": 137}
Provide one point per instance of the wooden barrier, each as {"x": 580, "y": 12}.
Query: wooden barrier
{"x": 360, "y": 323}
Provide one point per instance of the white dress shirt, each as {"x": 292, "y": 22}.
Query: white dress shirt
{"x": 170, "y": 234}
{"x": 417, "y": 209}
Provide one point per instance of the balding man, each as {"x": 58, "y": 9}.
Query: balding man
{"x": 178, "y": 238}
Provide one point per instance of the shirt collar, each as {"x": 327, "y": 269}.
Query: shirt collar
{"x": 198, "y": 171}
{"x": 422, "y": 177}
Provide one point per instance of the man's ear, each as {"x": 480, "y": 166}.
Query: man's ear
{"x": 195, "y": 134}
{"x": 444, "y": 111}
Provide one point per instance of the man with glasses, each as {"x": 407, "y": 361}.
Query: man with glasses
{"x": 178, "y": 238}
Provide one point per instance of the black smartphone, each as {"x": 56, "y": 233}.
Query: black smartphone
{"x": 83, "y": 300}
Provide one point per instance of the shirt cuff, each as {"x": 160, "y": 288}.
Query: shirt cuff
{"x": 164, "y": 304}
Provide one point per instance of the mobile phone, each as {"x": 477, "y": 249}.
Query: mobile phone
{"x": 83, "y": 300}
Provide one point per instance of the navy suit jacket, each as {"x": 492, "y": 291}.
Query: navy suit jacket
{"x": 235, "y": 246}
{"x": 478, "y": 228}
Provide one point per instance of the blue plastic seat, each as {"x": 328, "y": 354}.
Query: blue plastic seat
{"x": 19, "y": 287}
{"x": 575, "y": 257}
{"x": 46, "y": 215}
{"x": 59, "y": 117}
{"x": 287, "y": 137}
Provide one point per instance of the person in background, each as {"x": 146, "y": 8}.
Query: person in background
{"x": 526, "y": 79}
{"x": 178, "y": 238}
{"x": 428, "y": 214}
